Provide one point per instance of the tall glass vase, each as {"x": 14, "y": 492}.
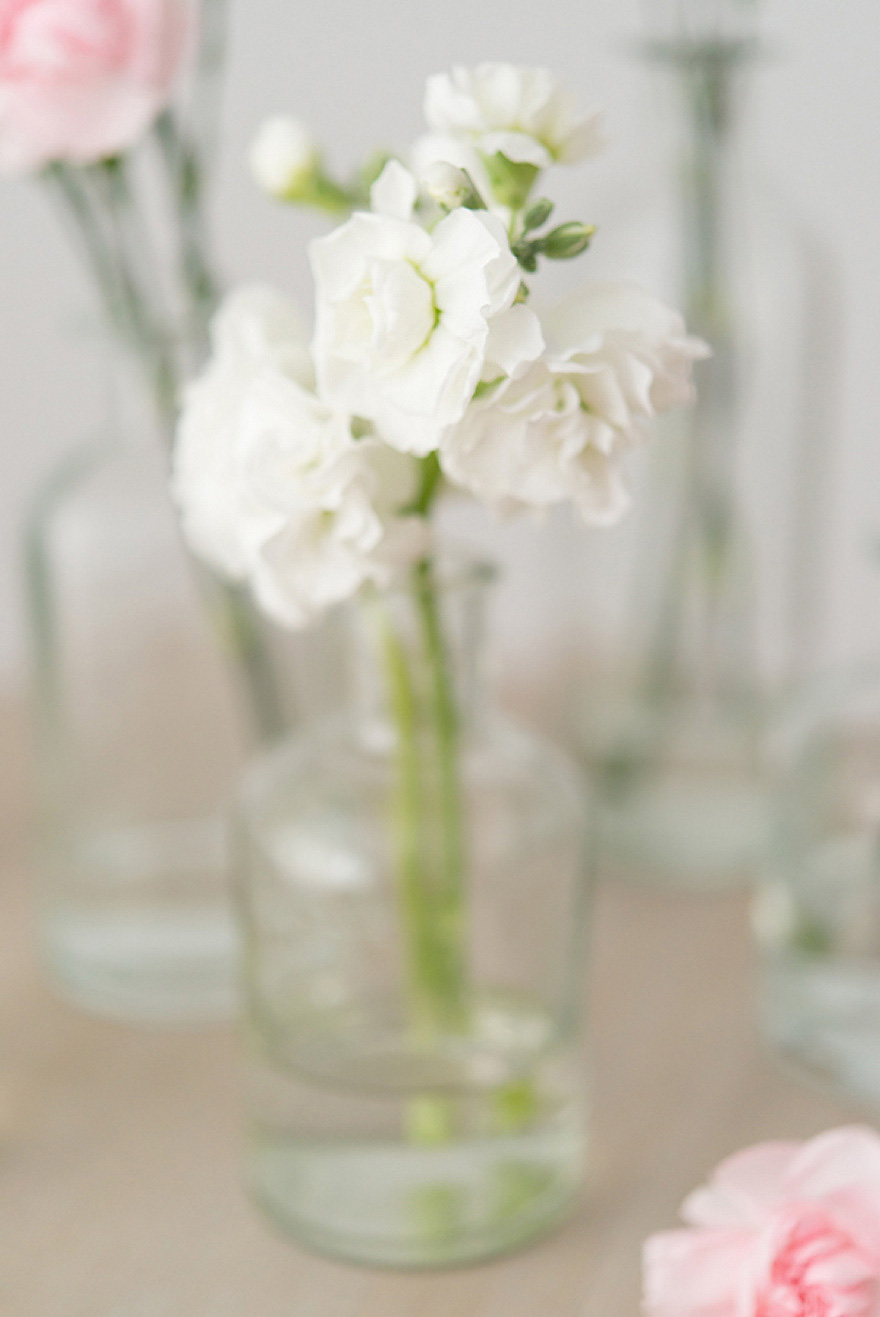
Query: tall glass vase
{"x": 141, "y": 730}
{"x": 726, "y": 603}
{"x": 413, "y": 896}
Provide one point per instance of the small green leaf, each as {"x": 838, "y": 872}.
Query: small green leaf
{"x": 511, "y": 180}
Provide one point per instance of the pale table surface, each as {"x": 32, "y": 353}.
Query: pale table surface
{"x": 119, "y": 1176}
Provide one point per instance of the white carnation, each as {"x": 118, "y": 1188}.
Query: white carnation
{"x": 327, "y": 546}
{"x": 283, "y": 156}
{"x": 639, "y": 350}
{"x": 523, "y": 113}
{"x": 409, "y": 322}
{"x": 255, "y": 330}
{"x": 272, "y": 486}
{"x": 561, "y": 430}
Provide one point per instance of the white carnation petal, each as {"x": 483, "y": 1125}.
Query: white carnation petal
{"x": 394, "y": 192}
{"x": 463, "y": 243}
{"x": 518, "y": 148}
{"x": 519, "y": 111}
{"x": 586, "y": 138}
{"x": 442, "y": 148}
{"x": 515, "y": 338}
{"x": 600, "y": 306}
{"x": 439, "y": 381}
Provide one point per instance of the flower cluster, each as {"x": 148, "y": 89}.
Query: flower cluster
{"x": 781, "y": 1230}
{"x": 310, "y": 471}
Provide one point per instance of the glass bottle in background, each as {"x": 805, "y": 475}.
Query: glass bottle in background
{"x": 817, "y": 913}
{"x": 726, "y": 603}
{"x": 141, "y": 732}
{"x": 414, "y": 904}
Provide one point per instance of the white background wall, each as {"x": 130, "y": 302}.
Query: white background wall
{"x": 356, "y": 72}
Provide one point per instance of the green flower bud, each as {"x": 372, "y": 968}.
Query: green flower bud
{"x": 566, "y": 241}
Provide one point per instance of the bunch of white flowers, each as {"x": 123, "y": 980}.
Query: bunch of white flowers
{"x": 310, "y": 470}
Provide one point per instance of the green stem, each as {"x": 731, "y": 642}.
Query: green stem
{"x": 67, "y": 184}
{"x": 449, "y": 907}
{"x": 99, "y": 201}
{"x": 425, "y": 989}
{"x": 429, "y": 840}
{"x": 146, "y": 317}
{"x": 186, "y": 187}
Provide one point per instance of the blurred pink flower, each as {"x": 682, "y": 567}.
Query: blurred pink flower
{"x": 82, "y": 79}
{"x": 781, "y": 1230}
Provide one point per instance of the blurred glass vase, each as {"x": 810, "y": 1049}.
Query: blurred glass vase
{"x": 140, "y": 734}
{"x": 412, "y": 888}
{"x": 725, "y": 604}
{"x": 817, "y": 915}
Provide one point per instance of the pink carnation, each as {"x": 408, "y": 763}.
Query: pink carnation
{"x": 82, "y": 79}
{"x": 781, "y": 1230}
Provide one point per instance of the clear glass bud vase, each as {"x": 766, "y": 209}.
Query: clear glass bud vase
{"x": 726, "y": 603}
{"x": 817, "y": 913}
{"x": 140, "y": 731}
{"x": 413, "y": 893}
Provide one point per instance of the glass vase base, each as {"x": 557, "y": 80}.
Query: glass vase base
{"x": 825, "y": 1019}
{"x": 148, "y": 966}
{"x": 404, "y": 1206}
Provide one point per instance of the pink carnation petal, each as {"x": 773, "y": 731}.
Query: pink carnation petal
{"x": 835, "y": 1160}
{"x": 842, "y": 1169}
{"x": 696, "y": 1273}
{"x": 743, "y": 1188}
{"x": 807, "y": 1265}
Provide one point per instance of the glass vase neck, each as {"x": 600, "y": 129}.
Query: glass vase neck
{"x": 417, "y": 648}
{"x": 695, "y": 22}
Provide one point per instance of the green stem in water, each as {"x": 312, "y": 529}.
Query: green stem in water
{"x": 449, "y": 912}
{"x": 424, "y": 973}
{"x": 428, "y": 828}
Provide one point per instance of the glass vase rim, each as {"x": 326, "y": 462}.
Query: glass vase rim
{"x": 451, "y": 572}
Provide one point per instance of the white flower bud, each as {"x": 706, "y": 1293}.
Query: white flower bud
{"x": 448, "y": 185}
{"x": 283, "y": 157}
